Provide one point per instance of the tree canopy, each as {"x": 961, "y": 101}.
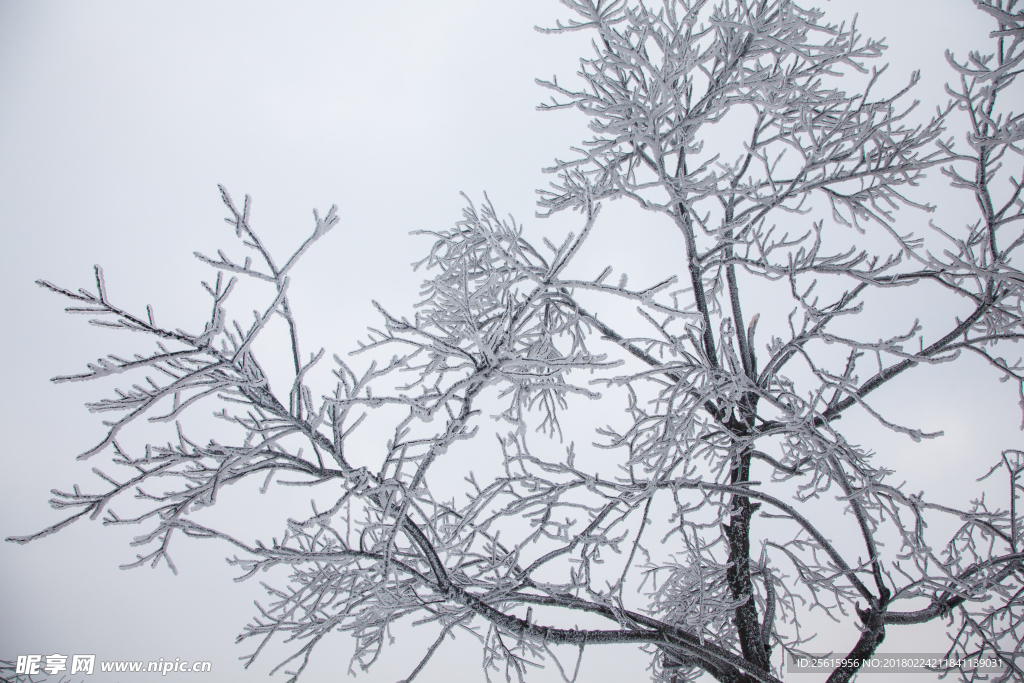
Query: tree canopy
{"x": 575, "y": 460}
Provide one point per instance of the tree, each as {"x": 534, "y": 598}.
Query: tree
{"x": 720, "y": 503}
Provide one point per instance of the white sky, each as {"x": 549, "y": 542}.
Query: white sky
{"x": 117, "y": 122}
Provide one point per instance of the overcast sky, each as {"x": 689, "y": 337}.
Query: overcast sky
{"x": 117, "y": 122}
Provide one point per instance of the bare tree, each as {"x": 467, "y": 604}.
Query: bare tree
{"x": 719, "y": 503}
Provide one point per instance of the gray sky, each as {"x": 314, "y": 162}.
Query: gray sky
{"x": 117, "y": 122}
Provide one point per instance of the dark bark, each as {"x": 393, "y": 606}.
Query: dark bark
{"x": 872, "y": 636}
{"x": 741, "y": 585}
